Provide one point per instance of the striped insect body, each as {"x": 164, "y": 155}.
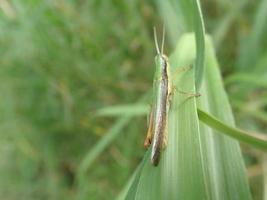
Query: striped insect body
{"x": 158, "y": 118}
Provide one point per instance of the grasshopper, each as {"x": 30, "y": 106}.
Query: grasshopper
{"x": 158, "y": 117}
{"x": 163, "y": 89}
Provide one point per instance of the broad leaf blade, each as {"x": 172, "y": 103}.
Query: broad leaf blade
{"x": 198, "y": 163}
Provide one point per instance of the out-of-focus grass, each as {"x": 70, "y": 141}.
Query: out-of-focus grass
{"x": 62, "y": 60}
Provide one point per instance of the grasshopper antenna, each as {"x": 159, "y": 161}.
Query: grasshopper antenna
{"x": 156, "y": 40}
{"x": 163, "y": 39}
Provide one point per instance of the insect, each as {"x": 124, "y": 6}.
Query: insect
{"x": 158, "y": 117}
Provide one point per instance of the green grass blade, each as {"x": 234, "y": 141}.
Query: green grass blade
{"x": 130, "y": 110}
{"x": 256, "y": 140}
{"x": 164, "y": 181}
{"x": 112, "y": 133}
{"x": 200, "y": 43}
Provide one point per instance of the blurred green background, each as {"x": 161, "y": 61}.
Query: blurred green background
{"x": 62, "y": 60}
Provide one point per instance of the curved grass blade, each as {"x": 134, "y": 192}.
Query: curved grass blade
{"x": 256, "y": 140}
{"x": 200, "y": 43}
